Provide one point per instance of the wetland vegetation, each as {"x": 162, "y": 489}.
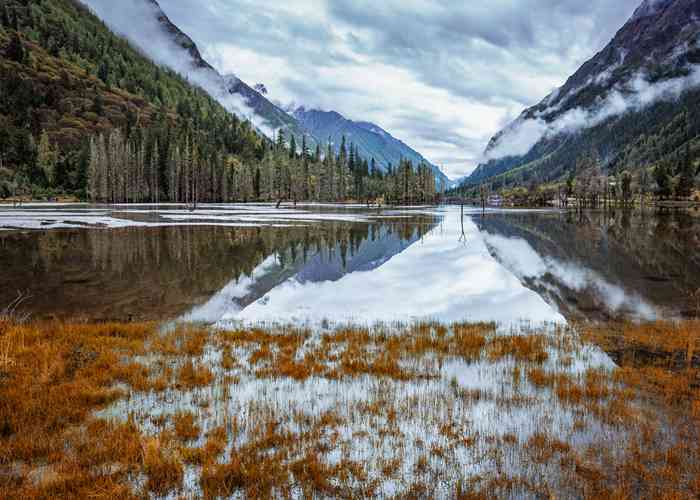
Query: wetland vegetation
{"x": 302, "y": 353}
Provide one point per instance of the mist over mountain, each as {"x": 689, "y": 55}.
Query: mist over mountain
{"x": 643, "y": 84}
{"x": 147, "y": 26}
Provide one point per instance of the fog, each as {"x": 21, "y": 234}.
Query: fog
{"x": 636, "y": 94}
{"x": 137, "y": 20}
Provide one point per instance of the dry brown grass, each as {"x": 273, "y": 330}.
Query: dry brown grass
{"x": 163, "y": 468}
{"x": 54, "y": 376}
{"x": 661, "y": 358}
{"x": 192, "y": 374}
{"x": 59, "y": 374}
{"x": 185, "y": 426}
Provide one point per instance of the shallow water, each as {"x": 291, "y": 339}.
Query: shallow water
{"x": 312, "y": 263}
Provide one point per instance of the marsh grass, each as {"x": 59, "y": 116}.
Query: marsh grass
{"x": 464, "y": 411}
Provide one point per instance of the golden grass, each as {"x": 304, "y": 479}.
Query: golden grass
{"x": 192, "y": 374}
{"x": 164, "y": 470}
{"x": 55, "y": 376}
{"x": 58, "y": 375}
{"x": 185, "y": 425}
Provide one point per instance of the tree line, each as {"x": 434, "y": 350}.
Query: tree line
{"x": 83, "y": 113}
{"x": 66, "y": 78}
{"x": 167, "y": 164}
{"x": 588, "y": 185}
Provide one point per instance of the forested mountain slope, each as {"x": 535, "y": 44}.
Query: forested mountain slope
{"x": 147, "y": 26}
{"x": 65, "y": 77}
{"x": 633, "y": 107}
{"x": 83, "y": 112}
{"x": 371, "y": 140}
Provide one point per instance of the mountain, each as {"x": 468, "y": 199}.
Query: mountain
{"x": 274, "y": 117}
{"x": 66, "y": 78}
{"x": 371, "y": 140}
{"x": 630, "y": 106}
{"x": 266, "y": 115}
{"x": 131, "y": 19}
{"x": 88, "y": 113}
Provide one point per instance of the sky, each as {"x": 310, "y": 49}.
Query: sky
{"x": 442, "y": 75}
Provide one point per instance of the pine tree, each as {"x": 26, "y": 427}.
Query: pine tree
{"x": 328, "y": 192}
{"x": 15, "y": 50}
{"x": 304, "y": 149}
{"x": 342, "y": 152}
{"x": 155, "y": 162}
{"x": 103, "y": 168}
{"x": 47, "y": 157}
{"x": 663, "y": 180}
{"x": 103, "y": 72}
{"x": 174, "y": 175}
{"x": 626, "y": 185}
{"x": 305, "y": 173}
{"x": 256, "y": 183}
{"x": 280, "y": 140}
{"x": 686, "y": 182}
{"x": 93, "y": 172}
{"x": 292, "y": 148}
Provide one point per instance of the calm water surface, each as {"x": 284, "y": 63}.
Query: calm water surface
{"x": 312, "y": 263}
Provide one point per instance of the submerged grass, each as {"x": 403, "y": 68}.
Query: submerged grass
{"x": 465, "y": 411}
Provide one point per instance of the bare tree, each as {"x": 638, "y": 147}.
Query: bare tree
{"x": 484, "y": 195}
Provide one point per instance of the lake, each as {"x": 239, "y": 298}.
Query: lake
{"x": 319, "y": 263}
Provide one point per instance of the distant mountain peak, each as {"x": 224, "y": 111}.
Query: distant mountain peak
{"x": 231, "y": 78}
{"x": 371, "y": 139}
{"x": 264, "y": 114}
{"x": 651, "y": 8}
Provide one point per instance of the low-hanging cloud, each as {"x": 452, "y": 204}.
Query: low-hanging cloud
{"x": 638, "y": 93}
{"x": 137, "y": 20}
{"x": 463, "y": 68}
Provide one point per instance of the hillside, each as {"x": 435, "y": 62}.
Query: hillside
{"x": 86, "y": 114}
{"x": 630, "y": 107}
{"x": 147, "y": 26}
{"x": 65, "y": 77}
{"x": 371, "y": 140}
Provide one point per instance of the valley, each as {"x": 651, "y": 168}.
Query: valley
{"x": 331, "y": 249}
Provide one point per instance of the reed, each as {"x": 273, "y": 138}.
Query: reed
{"x": 386, "y": 410}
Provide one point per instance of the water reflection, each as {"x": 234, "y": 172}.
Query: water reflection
{"x": 365, "y": 249}
{"x": 163, "y": 272}
{"x": 439, "y": 277}
{"x": 599, "y": 265}
{"x": 364, "y": 266}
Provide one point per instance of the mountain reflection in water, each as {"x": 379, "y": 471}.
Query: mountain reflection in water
{"x": 366, "y": 266}
{"x": 602, "y": 265}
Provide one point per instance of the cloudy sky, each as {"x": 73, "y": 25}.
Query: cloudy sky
{"x": 442, "y": 75}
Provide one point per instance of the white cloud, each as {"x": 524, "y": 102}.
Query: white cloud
{"x": 137, "y": 20}
{"x": 635, "y": 95}
{"x": 458, "y": 69}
